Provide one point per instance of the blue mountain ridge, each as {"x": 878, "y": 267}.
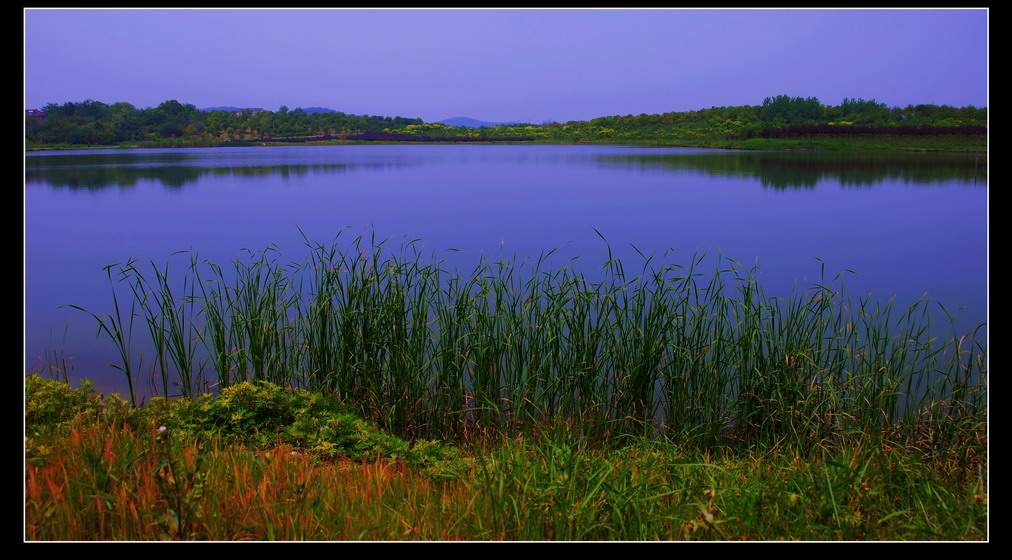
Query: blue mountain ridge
{"x": 469, "y": 122}
{"x": 455, "y": 121}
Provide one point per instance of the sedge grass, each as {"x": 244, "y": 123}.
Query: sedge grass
{"x": 511, "y": 345}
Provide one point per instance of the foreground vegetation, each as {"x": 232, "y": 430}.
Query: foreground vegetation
{"x": 449, "y": 354}
{"x": 366, "y": 393}
{"x": 263, "y": 463}
{"x": 780, "y": 122}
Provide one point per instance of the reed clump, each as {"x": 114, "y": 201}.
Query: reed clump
{"x": 514, "y": 347}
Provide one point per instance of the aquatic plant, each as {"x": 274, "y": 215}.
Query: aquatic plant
{"x": 515, "y": 345}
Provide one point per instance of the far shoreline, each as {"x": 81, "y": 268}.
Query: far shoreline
{"x": 967, "y": 144}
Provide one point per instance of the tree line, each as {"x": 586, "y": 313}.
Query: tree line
{"x": 94, "y": 122}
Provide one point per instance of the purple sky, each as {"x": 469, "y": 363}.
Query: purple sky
{"x": 504, "y": 65}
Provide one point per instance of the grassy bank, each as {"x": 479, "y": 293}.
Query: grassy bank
{"x": 879, "y": 142}
{"x": 261, "y": 463}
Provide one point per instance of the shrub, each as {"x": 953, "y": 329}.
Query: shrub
{"x": 50, "y": 403}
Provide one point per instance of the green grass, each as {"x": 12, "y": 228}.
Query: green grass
{"x": 667, "y": 350}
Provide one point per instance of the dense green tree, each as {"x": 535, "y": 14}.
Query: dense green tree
{"x": 791, "y": 109}
{"x": 171, "y": 108}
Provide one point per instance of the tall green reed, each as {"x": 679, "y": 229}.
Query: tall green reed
{"x": 514, "y": 345}
{"x": 119, "y": 328}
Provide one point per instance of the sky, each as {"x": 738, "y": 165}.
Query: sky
{"x": 503, "y": 65}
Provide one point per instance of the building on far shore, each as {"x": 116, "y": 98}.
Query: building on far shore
{"x": 35, "y": 113}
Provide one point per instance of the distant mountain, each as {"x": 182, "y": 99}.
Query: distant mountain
{"x": 469, "y": 122}
{"x": 308, "y": 110}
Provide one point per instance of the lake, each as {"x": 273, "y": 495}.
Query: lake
{"x": 906, "y": 225}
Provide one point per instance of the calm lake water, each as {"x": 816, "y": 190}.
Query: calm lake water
{"x": 906, "y": 224}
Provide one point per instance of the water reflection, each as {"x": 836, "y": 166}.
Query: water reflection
{"x": 97, "y": 171}
{"x": 778, "y": 171}
{"x": 174, "y": 177}
{"x": 76, "y": 159}
{"x": 804, "y": 170}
